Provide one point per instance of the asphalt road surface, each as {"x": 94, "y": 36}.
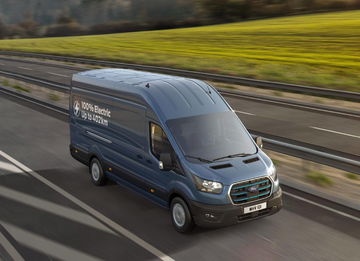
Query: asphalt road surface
{"x": 50, "y": 210}
{"x": 338, "y": 133}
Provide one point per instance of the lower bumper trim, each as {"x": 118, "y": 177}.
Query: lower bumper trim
{"x": 206, "y": 215}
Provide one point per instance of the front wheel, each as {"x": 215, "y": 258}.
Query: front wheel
{"x": 96, "y": 172}
{"x": 181, "y": 216}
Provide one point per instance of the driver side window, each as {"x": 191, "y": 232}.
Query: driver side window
{"x": 159, "y": 141}
{"x": 161, "y": 144}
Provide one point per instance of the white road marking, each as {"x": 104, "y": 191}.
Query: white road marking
{"x": 336, "y": 132}
{"x": 294, "y": 105}
{"x": 244, "y": 112}
{"x": 25, "y": 68}
{"x": 10, "y": 249}
{"x": 46, "y": 245}
{"x": 265, "y": 238}
{"x": 115, "y": 226}
{"x": 12, "y": 161}
{"x": 322, "y": 206}
{"x": 57, "y": 74}
{"x": 56, "y": 209}
{"x": 7, "y": 168}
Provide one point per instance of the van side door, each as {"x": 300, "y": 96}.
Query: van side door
{"x": 159, "y": 180}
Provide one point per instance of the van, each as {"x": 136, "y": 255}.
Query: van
{"x": 176, "y": 141}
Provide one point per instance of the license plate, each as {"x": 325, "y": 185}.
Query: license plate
{"x": 255, "y": 208}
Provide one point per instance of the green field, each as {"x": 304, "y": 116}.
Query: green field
{"x": 318, "y": 50}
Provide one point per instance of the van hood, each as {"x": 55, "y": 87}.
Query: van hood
{"x": 233, "y": 170}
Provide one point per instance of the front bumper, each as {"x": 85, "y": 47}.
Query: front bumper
{"x": 206, "y": 215}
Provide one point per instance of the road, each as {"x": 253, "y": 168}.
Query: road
{"x": 51, "y": 210}
{"x": 322, "y": 130}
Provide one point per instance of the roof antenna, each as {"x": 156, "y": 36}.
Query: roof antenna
{"x": 208, "y": 89}
{"x": 147, "y": 85}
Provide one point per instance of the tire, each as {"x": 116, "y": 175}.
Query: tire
{"x": 181, "y": 216}
{"x": 96, "y": 172}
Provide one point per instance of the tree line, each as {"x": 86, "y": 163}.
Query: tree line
{"x": 138, "y": 15}
{"x": 234, "y": 10}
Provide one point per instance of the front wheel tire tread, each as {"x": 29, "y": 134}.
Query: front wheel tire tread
{"x": 189, "y": 222}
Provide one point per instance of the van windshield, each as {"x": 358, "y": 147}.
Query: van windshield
{"x": 212, "y": 136}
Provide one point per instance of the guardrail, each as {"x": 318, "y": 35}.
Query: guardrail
{"x": 337, "y": 94}
{"x": 36, "y": 81}
{"x": 271, "y": 144}
{"x": 313, "y": 155}
{"x": 225, "y": 92}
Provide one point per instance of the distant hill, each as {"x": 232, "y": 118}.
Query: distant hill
{"x": 51, "y": 18}
{"x": 89, "y": 12}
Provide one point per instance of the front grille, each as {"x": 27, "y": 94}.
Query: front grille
{"x": 251, "y": 190}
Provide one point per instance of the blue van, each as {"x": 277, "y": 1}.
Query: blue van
{"x": 176, "y": 141}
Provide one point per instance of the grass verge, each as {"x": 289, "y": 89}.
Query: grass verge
{"x": 319, "y": 178}
{"x": 54, "y": 97}
{"x": 20, "y": 88}
{"x": 352, "y": 176}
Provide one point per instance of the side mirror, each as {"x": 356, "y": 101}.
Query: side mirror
{"x": 165, "y": 162}
{"x": 259, "y": 142}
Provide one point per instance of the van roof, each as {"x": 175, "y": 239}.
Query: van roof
{"x": 172, "y": 96}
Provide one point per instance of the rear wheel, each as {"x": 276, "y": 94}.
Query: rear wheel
{"x": 181, "y": 216}
{"x": 96, "y": 172}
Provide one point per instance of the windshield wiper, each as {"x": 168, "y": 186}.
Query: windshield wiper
{"x": 233, "y": 156}
{"x": 198, "y": 158}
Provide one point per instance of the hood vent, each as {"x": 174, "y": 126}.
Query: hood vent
{"x": 222, "y": 166}
{"x": 247, "y": 161}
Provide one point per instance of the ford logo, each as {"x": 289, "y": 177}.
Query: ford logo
{"x": 253, "y": 188}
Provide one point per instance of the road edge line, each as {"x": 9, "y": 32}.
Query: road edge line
{"x": 116, "y": 227}
{"x": 9, "y": 248}
{"x": 322, "y": 206}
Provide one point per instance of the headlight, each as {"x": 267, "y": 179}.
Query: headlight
{"x": 273, "y": 172}
{"x": 208, "y": 186}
